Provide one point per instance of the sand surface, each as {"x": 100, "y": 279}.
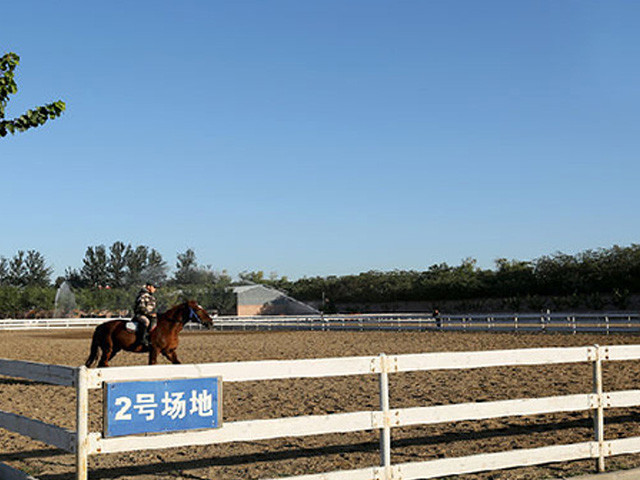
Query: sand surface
{"x": 296, "y": 456}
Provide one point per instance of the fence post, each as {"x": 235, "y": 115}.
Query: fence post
{"x": 385, "y": 433}
{"x": 82, "y": 423}
{"x": 598, "y": 418}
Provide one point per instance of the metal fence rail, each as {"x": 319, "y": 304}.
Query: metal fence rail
{"x": 552, "y": 322}
{"x": 548, "y": 322}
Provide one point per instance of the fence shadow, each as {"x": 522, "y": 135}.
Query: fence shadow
{"x": 30, "y": 454}
{"x": 295, "y": 452}
{"x": 17, "y": 381}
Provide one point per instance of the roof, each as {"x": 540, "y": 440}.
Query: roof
{"x": 263, "y": 294}
{"x": 244, "y": 288}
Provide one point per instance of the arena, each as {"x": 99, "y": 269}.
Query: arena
{"x": 280, "y": 398}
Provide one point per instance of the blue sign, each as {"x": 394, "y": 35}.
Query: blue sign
{"x": 162, "y": 406}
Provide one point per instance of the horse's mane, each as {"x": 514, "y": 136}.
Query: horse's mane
{"x": 170, "y": 315}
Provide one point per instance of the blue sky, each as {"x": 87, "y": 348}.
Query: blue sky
{"x": 324, "y": 137}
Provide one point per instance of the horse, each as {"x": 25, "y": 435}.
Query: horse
{"x": 113, "y": 336}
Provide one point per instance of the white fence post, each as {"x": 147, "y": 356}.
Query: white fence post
{"x": 385, "y": 433}
{"x": 598, "y": 418}
{"x": 82, "y": 424}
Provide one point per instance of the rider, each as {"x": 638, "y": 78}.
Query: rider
{"x": 144, "y": 312}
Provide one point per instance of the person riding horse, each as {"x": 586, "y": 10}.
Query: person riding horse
{"x": 144, "y": 313}
{"x": 113, "y": 336}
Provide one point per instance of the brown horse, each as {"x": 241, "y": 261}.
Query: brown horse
{"x": 113, "y": 336}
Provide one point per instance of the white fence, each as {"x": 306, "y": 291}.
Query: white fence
{"x": 65, "y": 323}
{"x": 551, "y": 322}
{"x": 548, "y": 322}
{"x": 50, "y": 323}
{"x": 85, "y": 443}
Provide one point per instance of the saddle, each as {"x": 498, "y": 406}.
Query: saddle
{"x": 132, "y": 326}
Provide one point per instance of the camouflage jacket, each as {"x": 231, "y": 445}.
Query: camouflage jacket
{"x": 145, "y": 303}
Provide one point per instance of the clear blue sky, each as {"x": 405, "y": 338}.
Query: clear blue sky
{"x": 324, "y": 137}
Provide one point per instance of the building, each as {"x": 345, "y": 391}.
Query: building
{"x": 262, "y": 300}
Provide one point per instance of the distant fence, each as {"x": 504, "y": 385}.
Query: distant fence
{"x": 548, "y": 322}
{"x": 63, "y": 323}
{"x": 84, "y": 443}
{"x": 49, "y": 323}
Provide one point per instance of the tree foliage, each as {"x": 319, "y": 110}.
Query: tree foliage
{"x": 94, "y": 271}
{"x": 116, "y": 267}
{"x": 156, "y": 268}
{"x": 136, "y": 262}
{"x": 37, "y": 272}
{"x": 31, "y": 118}
{"x": 25, "y": 269}
{"x": 4, "y": 271}
{"x": 186, "y": 268}
{"x": 120, "y": 266}
{"x": 570, "y": 281}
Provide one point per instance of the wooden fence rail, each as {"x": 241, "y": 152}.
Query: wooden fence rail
{"x": 85, "y": 443}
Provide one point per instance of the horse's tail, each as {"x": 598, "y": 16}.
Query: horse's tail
{"x": 95, "y": 346}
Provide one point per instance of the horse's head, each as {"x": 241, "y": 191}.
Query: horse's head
{"x": 193, "y": 312}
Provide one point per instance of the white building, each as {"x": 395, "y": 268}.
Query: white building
{"x": 262, "y": 300}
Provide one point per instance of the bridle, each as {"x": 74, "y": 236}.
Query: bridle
{"x": 193, "y": 315}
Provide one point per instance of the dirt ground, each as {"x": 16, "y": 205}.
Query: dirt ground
{"x": 296, "y": 456}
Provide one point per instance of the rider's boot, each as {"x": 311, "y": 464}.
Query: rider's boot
{"x": 142, "y": 335}
{"x": 146, "y": 340}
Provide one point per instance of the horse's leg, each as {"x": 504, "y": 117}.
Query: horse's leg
{"x": 171, "y": 355}
{"x": 114, "y": 352}
{"x": 95, "y": 348}
{"x": 153, "y": 355}
{"x": 107, "y": 348}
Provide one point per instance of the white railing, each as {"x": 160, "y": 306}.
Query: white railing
{"x": 551, "y": 322}
{"x": 547, "y": 322}
{"x": 85, "y": 443}
{"x": 50, "y": 323}
{"x": 65, "y": 323}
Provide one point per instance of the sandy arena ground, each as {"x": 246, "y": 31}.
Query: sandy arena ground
{"x": 296, "y": 456}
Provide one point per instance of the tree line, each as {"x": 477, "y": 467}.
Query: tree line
{"x": 590, "y": 279}
{"x": 108, "y": 281}
{"x": 110, "y": 276}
